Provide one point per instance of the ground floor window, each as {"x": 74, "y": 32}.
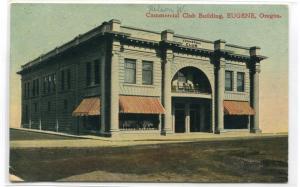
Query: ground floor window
{"x": 139, "y": 121}
{"x": 236, "y": 122}
{"x": 91, "y": 123}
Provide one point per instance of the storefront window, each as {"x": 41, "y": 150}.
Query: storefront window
{"x": 139, "y": 121}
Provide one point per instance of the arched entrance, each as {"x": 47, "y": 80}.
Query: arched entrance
{"x": 191, "y": 101}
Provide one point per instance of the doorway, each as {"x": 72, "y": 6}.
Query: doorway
{"x": 179, "y": 121}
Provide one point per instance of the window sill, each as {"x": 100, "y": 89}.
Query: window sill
{"x": 235, "y": 92}
{"x": 139, "y": 85}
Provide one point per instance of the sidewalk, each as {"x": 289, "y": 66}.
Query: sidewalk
{"x": 132, "y": 140}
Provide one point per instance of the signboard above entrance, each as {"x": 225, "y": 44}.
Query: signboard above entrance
{"x": 191, "y": 43}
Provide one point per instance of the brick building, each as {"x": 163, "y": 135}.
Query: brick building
{"x": 117, "y": 79}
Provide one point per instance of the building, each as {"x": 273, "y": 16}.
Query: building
{"x": 117, "y": 79}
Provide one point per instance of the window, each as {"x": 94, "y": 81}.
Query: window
{"x": 49, "y": 83}
{"x": 69, "y": 78}
{"x": 28, "y": 89}
{"x": 147, "y": 72}
{"x": 49, "y": 106}
{"x": 62, "y": 80}
{"x": 181, "y": 77}
{"x": 96, "y": 71}
{"x": 65, "y": 105}
{"x": 53, "y": 82}
{"x": 33, "y": 88}
{"x": 26, "y": 114}
{"x": 240, "y": 82}
{"x": 35, "y": 107}
{"x": 25, "y": 89}
{"x": 37, "y": 86}
{"x": 228, "y": 80}
{"x": 45, "y": 85}
{"x": 130, "y": 71}
{"x": 88, "y": 74}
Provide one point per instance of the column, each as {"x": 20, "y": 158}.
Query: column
{"x": 254, "y": 87}
{"x": 167, "y": 99}
{"x": 255, "y": 99}
{"x": 102, "y": 97}
{"x": 114, "y": 94}
{"x": 166, "y": 37}
{"x": 219, "y": 47}
{"x": 187, "y": 117}
{"x": 220, "y": 97}
{"x": 114, "y": 84}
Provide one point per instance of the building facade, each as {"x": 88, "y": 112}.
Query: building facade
{"x": 117, "y": 79}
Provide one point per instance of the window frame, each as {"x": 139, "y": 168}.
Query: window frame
{"x": 147, "y": 70}
{"x": 97, "y": 70}
{"x": 68, "y": 79}
{"x": 88, "y": 76}
{"x": 231, "y": 80}
{"x": 243, "y": 81}
{"x": 129, "y": 61}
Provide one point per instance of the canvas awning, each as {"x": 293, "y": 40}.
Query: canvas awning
{"x": 140, "y": 105}
{"x": 238, "y": 108}
{"x": 88, "y": 107}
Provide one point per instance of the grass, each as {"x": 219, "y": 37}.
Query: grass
{"x": 253, "y": 160}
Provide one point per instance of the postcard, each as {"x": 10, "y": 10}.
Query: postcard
{"x": 189, "y": 93}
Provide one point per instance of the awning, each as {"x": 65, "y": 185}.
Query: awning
{"x": 140, "y": 105}
{"x": 88, "y": 107}
{"x": 238, "y": 108}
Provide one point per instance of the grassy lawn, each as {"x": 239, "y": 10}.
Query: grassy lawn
{"x": 253, "y": 160}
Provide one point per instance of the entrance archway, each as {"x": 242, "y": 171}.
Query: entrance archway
{"x": 191, "y": 80}
{"x": 192, "y": 102}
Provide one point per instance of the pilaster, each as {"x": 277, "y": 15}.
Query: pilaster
{"x": 114, "y": 94}
{"x": 167, "y": 35}
{"x": 220, "y": 67}
{"x": 254, "y": 73}
{"x": 102, "y": 97}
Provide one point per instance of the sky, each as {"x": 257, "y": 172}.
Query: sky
{"x": 36, "y": 29}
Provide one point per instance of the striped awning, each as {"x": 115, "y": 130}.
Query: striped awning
{"x": 238, "y": 108}
{"x": 88, "y": 107}
{"x": 140, "y": 105}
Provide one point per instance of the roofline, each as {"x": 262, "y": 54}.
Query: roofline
{"x": 101, "y": 30}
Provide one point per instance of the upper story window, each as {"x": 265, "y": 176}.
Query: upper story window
{"x": 65, "y": 105}
{"x": 147, "y": 72}
{"x": 97, "y": 71}
{"x": 49, "y": 106}
{"x": 35, "y": 107}
{"x": 62, "y": 80}
{"x": 240, "y": 81}
{"x": 228, "y": 80}
{"x": 88, "y": 73}
{"x": 45, "y": 84}
{"x": 26, "y": 89}
{"x": 130, "y": 71}
{"x": 65, "y": 79}
{"x": 49, "y": 84}
{"x": 69, "y": 78}
{"x": 35, "y": 87}
{"x": 53, "y": 82}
